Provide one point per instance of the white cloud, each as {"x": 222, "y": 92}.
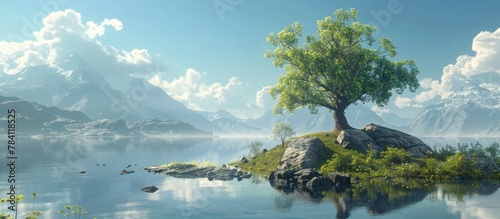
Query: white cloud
{"x": 193, "y": 91}
{"x": 483, "y": 68}
{"x": 263, "y": 99}
{"x": 94, "y": 30}
{"x": 64, "y": 32}
{"x": 379, "y": 110}
{"x": 402, "y": 102}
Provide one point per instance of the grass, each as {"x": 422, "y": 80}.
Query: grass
{"x": 196, "y": 163}
{"x": 267, "y": 162}
{"x": 392, "y": 163}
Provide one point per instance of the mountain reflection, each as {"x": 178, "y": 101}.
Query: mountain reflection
{"x": 380, "y": 197}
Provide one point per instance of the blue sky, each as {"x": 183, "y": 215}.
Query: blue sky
{"x": 209, "y": 54}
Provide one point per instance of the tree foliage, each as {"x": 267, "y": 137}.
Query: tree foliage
{"x": 340, "y": 65}
{"x": 255, "y": 147}
{"x": 282, "y": 131}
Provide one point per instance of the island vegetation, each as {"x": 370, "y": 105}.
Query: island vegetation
{"x": 442, "y": 164}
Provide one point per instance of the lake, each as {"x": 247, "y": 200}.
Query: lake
{"x": 50, "y": 167}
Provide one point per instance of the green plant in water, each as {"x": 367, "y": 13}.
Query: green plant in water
{"x": 33, "y": 214}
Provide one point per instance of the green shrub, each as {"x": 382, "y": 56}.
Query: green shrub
{"x": 459, "y": 165}
{"x": 395, "y": 156}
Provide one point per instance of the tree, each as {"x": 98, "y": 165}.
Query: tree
{"x": 282, "y": 131}
{"x": 255, "y": 147}
{"x": 337, "y": 67}
{"x": 493, "y": 150}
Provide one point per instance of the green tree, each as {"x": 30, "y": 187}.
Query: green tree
{"x": 255, "y": 147}
{"x": 282, "y": 131}
{"x": 337, "y": 67}
{"x": 493, "y": 150}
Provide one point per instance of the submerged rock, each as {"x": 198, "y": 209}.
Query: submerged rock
{"x": 149, "y": 189}
{"x": 181, "y": 170}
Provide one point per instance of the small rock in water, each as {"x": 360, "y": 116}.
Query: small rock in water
{"x": 82, "y": 172}
{"x": 97, "y": 164}
{"x": 149, "y": 189}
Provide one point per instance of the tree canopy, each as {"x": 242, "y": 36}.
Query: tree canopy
{"x": 340, "y": 65}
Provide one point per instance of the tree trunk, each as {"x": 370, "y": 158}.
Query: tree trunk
{"x": 340, "y": 120}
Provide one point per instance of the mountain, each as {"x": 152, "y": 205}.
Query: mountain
{"x": 71, "y": 84}
{"x": 220, "y": 114}
{"x": 151, "y": 102}
{"x": 74, "y": 85}
{"x": 468, "y": 111}
{"x": 229, "y": 123}
{"x": 34, "y": 119}
{"x": 302, "y": 121}
{"x": 162, "y": 127}
{"x": 492, "y": 131}
{"x": 394, "y": 119}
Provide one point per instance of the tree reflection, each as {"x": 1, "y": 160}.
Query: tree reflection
{"x": 283, "y": 202}
{"x": 380, "y": 197}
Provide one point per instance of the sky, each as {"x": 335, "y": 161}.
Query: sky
{"x": 208, "y": 54}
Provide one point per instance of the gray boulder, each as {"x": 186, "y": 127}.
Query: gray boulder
{"x": 242, "y": 159}
{"x": 319, "y": 183}
{"x": 357, "y": 140}
{"x": 386, "y": 137}
{"x": 340, "y": 179}
{"x": 302, "y": 153}
{"x": 484, "y": 163}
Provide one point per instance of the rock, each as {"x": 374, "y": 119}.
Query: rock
{"x": 326, "y": 135}
{"x": 340, "y": 179}
{"x": 126, "y": 172}
{"x": 149, "y": 189}
{"x": 277, "y": 175}
{"x": 242, "y": 159}
{"x": 263, "y": 151}
{"x": 210, "y": 175}
{"x": 484, "y": 163}
{"x": 82, "y": 172}
{"x": 224, "y": 166}
{"x": 239, "y": 173}
{"x": 386, "y": 137}
{"x": 246, "y": 175}
{"x": 302, "y": 153}
{"x": 357, "y": 140}
{"x": 233, "y": 172}
{"x": 128, "y": 166}
{"x": 319, "y": 183}
{"x": 305, "y": 175}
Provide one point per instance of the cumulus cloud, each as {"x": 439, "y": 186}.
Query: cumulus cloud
{"x": 402, "y": 102}
{"x": 482, "y": 68}
{"x": 263, "y": 99}
{"x": 193, "y": 91}
{"x": 64, "y": 32}
{"x": 379, "y": 110}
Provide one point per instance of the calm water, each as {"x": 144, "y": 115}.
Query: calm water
{"x": 50, "y": 168}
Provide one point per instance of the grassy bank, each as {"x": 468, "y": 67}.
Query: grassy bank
{"x": 444, "y": 164}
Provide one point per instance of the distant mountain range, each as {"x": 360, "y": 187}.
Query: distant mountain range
{"x": 71, "y": 97}
{"x": 35, "y": 119}
{"x": 74, "y": 85}
{"x": 469, "y": 111}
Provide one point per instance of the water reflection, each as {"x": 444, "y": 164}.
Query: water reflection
{"x": 381, "y": 197}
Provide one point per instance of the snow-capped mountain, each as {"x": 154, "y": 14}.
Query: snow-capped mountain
{"x": 73, "y": 84}
{"x": 468, "y": 111}
{"x": 229, "y": 123}
{"x": 492, "y": 131}
{"x": 34, "y": 119}
{"x": 155, "y": 127}
{"x": 302, "y": 121}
